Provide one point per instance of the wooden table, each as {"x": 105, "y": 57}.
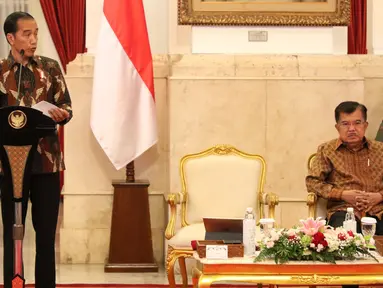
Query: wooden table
{"x": 306, "y": 273}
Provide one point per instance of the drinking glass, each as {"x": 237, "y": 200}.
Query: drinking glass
{"x": 368, "y": 227}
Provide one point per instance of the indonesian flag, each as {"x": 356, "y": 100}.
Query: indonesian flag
{"x": 123, "y": 112}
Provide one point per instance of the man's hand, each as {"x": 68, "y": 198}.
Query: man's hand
{"x": 362, "y": 200}
{"x": 372, "y": 199}
{"x": 352, "y": 196}
{"x": 59, "y": 114}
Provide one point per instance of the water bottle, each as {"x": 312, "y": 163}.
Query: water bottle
{"x": 249, "y": 224}
{"x": 349, "y": 222}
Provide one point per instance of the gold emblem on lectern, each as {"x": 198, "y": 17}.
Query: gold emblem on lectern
{"x": 17, "y": 119}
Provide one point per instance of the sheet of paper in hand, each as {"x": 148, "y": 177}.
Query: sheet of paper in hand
{"x": 44, "y": 107}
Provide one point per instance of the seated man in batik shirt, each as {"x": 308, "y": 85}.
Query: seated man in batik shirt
{"x": 348, "y": 171}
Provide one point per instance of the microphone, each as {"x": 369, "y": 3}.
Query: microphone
{"x": 21, "y": 67}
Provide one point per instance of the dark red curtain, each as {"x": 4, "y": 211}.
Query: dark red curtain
{"x": 357, "y": 30}
{"x": 66, "y": 23}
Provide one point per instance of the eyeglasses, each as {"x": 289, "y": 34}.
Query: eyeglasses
{"x": 347, "y": 125}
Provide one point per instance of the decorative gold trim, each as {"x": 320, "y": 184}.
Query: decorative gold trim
{"x": 311, "y": 197}
{"x": 311, "y": 202}
{"x": 310, "y": 161}
{"x": 220, "y": 150}
{"x": 188, "y": 14}
{"x": 173, "y": 255}
{"x": 170, "y": 228}
{"x": 205, "y": 280}
{"x": 270, "y": 199}
{"x": 17, "y": 119}
{"x": 315, "y": 279}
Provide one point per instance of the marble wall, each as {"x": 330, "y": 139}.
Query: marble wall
{"x": 278, "y": 106}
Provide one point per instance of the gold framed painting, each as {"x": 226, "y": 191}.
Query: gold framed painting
{"x": 264, "y": 12}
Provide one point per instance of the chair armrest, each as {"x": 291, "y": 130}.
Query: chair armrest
{"x": 173, "y": 199}
{"x": 312, "y": 202}
{"x": 270, "y": 199}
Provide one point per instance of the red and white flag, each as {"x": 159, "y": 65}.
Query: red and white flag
{"x": 123, "y": 112}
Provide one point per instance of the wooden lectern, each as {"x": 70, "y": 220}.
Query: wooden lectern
{"x": 20, "y": 130}
{"x": 131, "y": 247}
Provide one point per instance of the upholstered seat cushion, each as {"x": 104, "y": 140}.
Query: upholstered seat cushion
{"x": 186, "y": 234}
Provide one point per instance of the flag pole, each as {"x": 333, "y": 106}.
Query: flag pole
{"x": 124, "y": 36}
{"x": 130, "y": 172}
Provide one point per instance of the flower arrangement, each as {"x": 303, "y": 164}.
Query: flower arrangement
{"x": 315, "y": 241}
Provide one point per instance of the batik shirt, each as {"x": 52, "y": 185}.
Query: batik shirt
{"x": 337, "y": 168}
{"x": 41, "y": 80}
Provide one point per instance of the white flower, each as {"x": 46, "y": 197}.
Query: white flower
{"x": 333, "y": 246}
{"x": 274, "y": 236}
{"x": 320, "y": 247}
{"x": 340, "y": 230}
{"x": 332, "y": 241}
{"x": 312, "y": 245}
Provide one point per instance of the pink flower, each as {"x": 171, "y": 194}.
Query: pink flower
{"x": 270, "y": 244}
{"x": 311, "y": 226}
{"x": 330, "y": 231}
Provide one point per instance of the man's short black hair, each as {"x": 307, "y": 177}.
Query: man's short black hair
{"x": 10, "y": 24}
{"x": 349, "y": 107}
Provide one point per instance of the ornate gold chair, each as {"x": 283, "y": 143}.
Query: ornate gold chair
{"x": 219, "y": 182}
{"x": 317, "y": 205}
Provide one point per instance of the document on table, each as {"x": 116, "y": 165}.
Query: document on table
{"x": 44, "y": 107}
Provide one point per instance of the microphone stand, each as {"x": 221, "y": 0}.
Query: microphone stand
{"x": 21, "y": 69}
{"x": 18, "y": 280}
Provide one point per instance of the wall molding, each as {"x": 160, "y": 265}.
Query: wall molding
{"x": 106, "y": 193}
{"x": 207, "y": 78}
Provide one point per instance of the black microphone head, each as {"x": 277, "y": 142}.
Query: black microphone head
{"x": 22, "y": 51}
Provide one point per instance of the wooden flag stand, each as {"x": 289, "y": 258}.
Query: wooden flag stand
{"x": 131, "y": 247}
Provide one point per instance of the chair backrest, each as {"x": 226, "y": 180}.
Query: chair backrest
{"x": 221, "y": 182}
{"x": 321, "y": 203}
{"x": 311, "y": 160}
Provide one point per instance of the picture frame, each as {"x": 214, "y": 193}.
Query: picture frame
{"x": 264, "y": 12}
